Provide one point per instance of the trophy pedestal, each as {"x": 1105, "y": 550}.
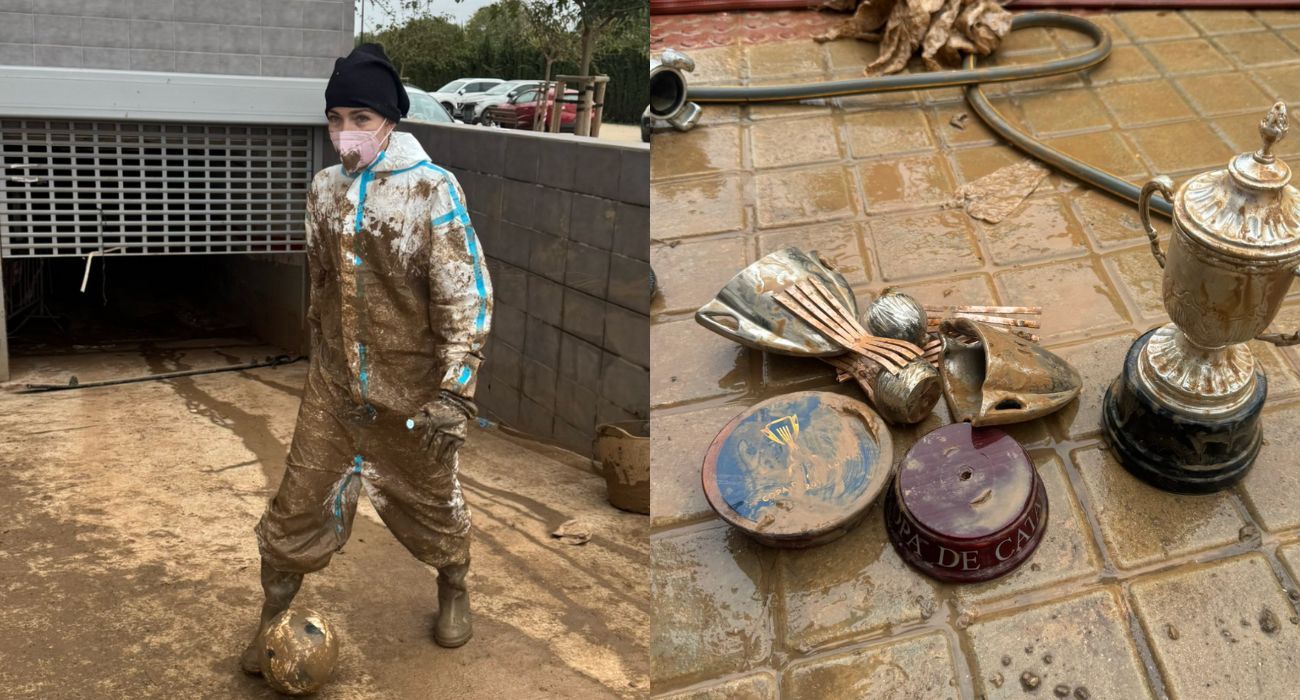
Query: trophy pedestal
{"x": 1179, "y": 451}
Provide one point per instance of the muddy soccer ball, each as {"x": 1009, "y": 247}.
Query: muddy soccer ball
{"x": 299, "y": 652}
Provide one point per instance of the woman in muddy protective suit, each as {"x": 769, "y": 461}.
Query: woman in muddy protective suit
{"x": 400, "y": 306}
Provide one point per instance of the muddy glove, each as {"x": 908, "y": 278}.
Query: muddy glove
{"x": 444, "y": 423}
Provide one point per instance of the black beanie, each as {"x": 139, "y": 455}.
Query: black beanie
{"x": 366, "y": 79}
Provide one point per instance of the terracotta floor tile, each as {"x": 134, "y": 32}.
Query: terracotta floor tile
{"x": 710, "y": 596}
{"x": 1125, "y": 64}
{"x": 1054, "y": 112}
{"x": 1224, "y": 93}
{"x": 694, "y": 207}
{"x": 929, "y": 674}
{"x": 887, "y": 131}
{"x": 789, "y": 197}
{"x": 1219, "y": 22}
{"x": 1135, "y": 104}
{"x": 851, "y": 54}
{"x": 691, "y": 273}
{"x": 697, "y": 152}
{"x": 782, "y": 59}
{"x": 1109, "y": 220}
{"x": 721, "y": 65}
{"x": 839, "y": 244}
{"x": 1098, "y": 363}
{"x": 1173, "y": 148}
{"x": 905, "y": 183}
{"x": 688, "y": 362}
{"x": 1033, "y": 40}
{"x": 1141, "y": 524}
{"x": 924, "y": 244}
{"x": 1191, "y": 56}
{"x": 1043, "y": 227}
{"x": 975, "y": 290}
{"x": 1282, "y": 82}
{"x": 973, "y": 131}
{"x": 680, "y": 441}
{"x": 1075, "y": 296}
{"x": 1103, "y": 149}
{"x": 1151, "y": 25}
{"x": 1140, "y": 275}
{"x": 782, "y": 110}
{"x": 1118, "y": 34}
{"x": 1242, "y": 133}
{"x": 1257, "y": 48}
{"x": 1278, "y": 18}
{"x": 795, "y": 141}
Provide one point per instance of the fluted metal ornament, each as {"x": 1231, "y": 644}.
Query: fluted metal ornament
{"x": 1184, "y": 414}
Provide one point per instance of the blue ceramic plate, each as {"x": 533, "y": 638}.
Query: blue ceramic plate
{"x": 798, "y": 469}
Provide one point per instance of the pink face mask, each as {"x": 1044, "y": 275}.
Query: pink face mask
{"x": 357, "y": 149}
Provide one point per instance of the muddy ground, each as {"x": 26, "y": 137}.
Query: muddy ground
{"x": 128, "y": 566}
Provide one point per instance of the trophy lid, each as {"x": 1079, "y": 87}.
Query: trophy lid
{"x": 1248, "y": 210}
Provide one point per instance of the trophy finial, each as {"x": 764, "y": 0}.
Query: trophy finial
{"x": 1271, "y": 130}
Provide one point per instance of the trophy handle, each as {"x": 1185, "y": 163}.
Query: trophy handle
{"x": 1166, "y": 187}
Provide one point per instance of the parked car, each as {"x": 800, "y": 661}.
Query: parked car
{"x": 452, "y": 93}
{"x": 424, "y": 108}
{"x": 473, "y": 106}
{"x": 518, "y": 112}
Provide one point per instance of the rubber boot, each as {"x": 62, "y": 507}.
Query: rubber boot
{"x": 453, "y": 628}
{"x": 280, "y": 588}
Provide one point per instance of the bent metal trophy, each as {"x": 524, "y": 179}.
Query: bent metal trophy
{"x": 1184, "y": 414}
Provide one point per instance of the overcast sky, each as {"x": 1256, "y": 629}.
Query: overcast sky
{"x": 459, "y": 11}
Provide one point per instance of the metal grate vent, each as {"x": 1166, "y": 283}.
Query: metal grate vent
{"x": 72, "y": 187}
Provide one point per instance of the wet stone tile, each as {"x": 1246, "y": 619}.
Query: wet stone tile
{"x": 872, "y": 101}
{"x": 1233, "y": 638}
{"x": 1192, "y": 56}
{"x": 1109, "y": 220}
{"x": 1278, "y": 18}
{"x": 1042, "y": 227}
{"x": 1055, "y": 112}
{"x": 1141, "y": 277}
{"x": 1283, "y": 380}
{"x": 853, "y": 586}
{"x": 1098, "y": 363}
{"x": 1065, "y": 551}
{"x": 1125, "y": 64}
{"x": 906, "y": 183}
{"x": 695, "y": 207}
{"x": 783, "y": 59}
{"x": 689, "y": 362}
{"x": 1290, "y": 556}
{"x": 680, "y": 442}
{"x": 690, "y": 274}
{"x": 794, "y": 141}
{"x": 1074, "y": 295}
{"x": 973, "y": 163}
{"x": 976, "y": 290}
{"x": 758, "y": 686}
{"x": 924, "y": 244}
{"x": 1087, "y": 640}
{"x": 851, "y": 54}
{"x": 1242, "y": 133}
{"x": 840, "y": 245}
{"x": 1118, "y": 35}
{"x": 1257, "y": 49}
{"x": 1281, "y": 81}
{"x": 1106, "y": 150}
{"x": 1142, "y": 524}
{"x": 887, "y": 131}
{"x": 917, "y": 667}
{"x": 1146, "y": 26}
{"x": 1135, "y": 104}
{"x": 1033, "y": 40}
{"x": 783, "y": 373}
{"x": 699, "y": 151}
{"x": 786, "y": 198}
{"x": 1270, "y": 486}
{"x": 972, "y": 132}
{"x": 710, "y": 599}
{"x": 784, "y": 110}
{"x": 1219, "y": 22}
{"x": 1224, "y": 93}
{"x": 1184, "y": 146}
{"x": 1287, "y": 321}
{"x": 719, "y": 65}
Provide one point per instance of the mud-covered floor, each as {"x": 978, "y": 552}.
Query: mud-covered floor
{"x": 128, "y": 566}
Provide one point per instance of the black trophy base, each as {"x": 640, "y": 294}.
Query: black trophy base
{"x": 1176, "y": 451}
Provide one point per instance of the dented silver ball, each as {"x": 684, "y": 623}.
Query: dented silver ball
{"x": 897, "y": 315}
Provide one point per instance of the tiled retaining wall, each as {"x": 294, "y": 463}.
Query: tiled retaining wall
{"x": 283, "y": 38}
{"x": 564, "y": 222}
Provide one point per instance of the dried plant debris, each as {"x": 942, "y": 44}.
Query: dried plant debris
{"x": 943, "y": 30}
{"x": 993, "y": 197}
